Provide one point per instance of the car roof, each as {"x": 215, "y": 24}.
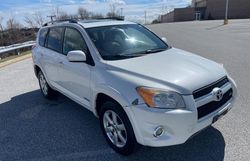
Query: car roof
{"x": 99, "y": 23}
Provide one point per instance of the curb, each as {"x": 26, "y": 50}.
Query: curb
{"x": 12, "y": 61}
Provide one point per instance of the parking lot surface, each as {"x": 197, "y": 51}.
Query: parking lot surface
{"x": 35, "y": 129}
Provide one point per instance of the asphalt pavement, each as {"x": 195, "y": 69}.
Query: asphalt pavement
{"x": 35, "y": 129}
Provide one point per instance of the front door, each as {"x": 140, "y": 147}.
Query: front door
{"x": 74, "y": 77}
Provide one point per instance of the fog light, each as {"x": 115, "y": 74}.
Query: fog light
{"x": 158, "y": 131}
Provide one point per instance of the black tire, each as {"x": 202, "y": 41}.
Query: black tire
{"x": 50, "y": 94}
{"x": 131, "y": 142}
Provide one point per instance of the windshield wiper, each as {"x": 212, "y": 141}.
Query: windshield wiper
{"x": 141, "y": 53}
{"x": 132, "y": 55}
{"x": 121, "y": 56}
{"x": 149, "y": 51}
{"x": 155, "y": 50}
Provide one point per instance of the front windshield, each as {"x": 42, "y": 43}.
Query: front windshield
{"x": 125, "y": 41}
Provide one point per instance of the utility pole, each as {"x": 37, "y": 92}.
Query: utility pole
{"x": 226, "y": 14}
{"x": 51, "y": 18}
{"x": 162, "y": 12}
{"x": 145, "y": 12}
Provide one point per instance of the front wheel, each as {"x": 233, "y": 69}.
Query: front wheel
{"x": 117, "y": 128}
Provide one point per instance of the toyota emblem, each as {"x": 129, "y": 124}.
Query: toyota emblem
{"x": 217, "y": 93}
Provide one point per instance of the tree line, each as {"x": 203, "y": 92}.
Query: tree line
{"x": 15, "y": 32}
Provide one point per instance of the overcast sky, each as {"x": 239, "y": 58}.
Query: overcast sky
{"x": 132, "y": 9}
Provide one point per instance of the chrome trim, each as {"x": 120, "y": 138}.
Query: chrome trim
{"x": 156, "y": 129}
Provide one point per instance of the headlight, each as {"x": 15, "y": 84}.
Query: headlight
{"x": 156, "y": 98}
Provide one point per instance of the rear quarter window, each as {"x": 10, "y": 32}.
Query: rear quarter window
{"x": 42, "y": 37}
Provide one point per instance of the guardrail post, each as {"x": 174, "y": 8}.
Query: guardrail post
{"x": 17, "y": 51}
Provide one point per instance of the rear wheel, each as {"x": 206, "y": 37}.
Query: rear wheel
{"x": 117, "y": 128}
{"x": 46, "y": 90}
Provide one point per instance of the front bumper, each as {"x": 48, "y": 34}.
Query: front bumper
{"x": 179, "y": 124}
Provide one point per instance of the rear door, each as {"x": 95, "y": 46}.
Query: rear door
{"x": 74, "y": 77}
{"x": 53, "y": 48}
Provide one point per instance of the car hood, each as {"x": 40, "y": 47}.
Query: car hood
{"x": 175, "y": 68}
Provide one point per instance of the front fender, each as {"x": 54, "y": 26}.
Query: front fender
{"x": 111, "y": 92}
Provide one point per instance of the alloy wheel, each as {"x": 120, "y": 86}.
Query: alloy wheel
{"x": 115, "y": 128}
{"x": 43, "y": 84}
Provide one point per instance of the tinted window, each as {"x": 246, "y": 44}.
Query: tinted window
{"x": 73, "y": 41}
{"x": 55, "y": 39}
{"x": 42, "y": 36}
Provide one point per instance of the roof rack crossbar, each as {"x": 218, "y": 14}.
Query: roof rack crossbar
{"x": 58, "y": 21}
{"x": 111, "y": 18}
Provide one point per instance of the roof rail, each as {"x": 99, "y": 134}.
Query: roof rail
{"x": 58, "y": 21}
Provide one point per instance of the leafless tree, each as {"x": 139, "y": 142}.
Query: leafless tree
{"x": 32, "y": 25}
{"x": 96, "y": 15}
{"x": 1, "y": 31}
{"x": 13, "y": 24}
{"x": 113, "y": 11}
{"x": 13, "y": 29}
{"x": 112, "y": 7}
{"x": 1, "y": 26}
{"x": 10, "y": 23}
{"x": 36, "y": 20}
{"x": 74, "y": 16}
{"x": 83, "y": 13}
{"x": 29, "y": 21}
{"x": 62, "y": 15}
{"x": 39, "y": 19}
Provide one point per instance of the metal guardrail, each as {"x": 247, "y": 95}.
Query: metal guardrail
{"x": 16, "y": 47}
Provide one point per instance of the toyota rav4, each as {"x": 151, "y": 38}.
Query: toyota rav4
{"x": 141, "y": 89}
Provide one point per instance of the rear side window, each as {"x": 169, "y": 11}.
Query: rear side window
{"x": 42, "y": 36}
{"x": 73, "y": 41}
{"x": 55, "y": 39}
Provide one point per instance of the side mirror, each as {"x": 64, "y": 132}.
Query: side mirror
{"x": 164, "y": 39}
{"x": 76, "y": 56}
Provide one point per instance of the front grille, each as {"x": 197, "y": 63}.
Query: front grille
{"x": 207, "y": 89}
{"x": 214, "y": 105}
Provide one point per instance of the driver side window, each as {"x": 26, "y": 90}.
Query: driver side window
{"x": 73, "y": 41}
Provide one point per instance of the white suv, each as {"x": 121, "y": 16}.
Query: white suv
{"x": 141, "y": 89}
